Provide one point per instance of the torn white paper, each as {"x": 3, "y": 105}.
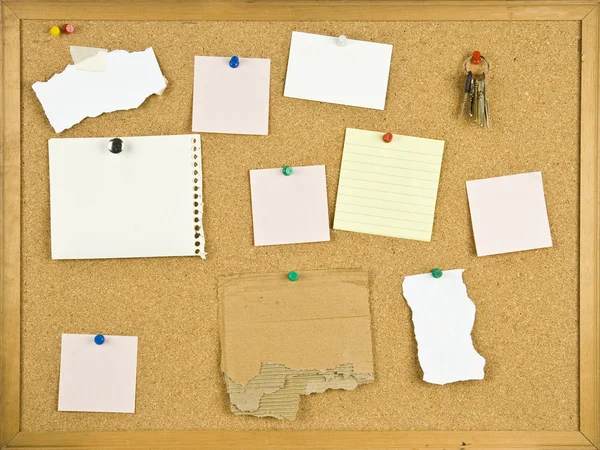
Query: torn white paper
{"x": 97, "y": 378}
{"x": 143, "y": 202}
{"x": 443, "y": 317}
{"x": 89, "y": 58}
{"x": 128, "y": 79}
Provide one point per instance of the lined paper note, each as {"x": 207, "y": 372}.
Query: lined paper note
{"x": 389, "y": 189}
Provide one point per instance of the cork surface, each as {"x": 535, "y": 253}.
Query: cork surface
{"x": 527, "y": 303}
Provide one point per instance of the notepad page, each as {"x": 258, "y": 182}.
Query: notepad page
{"x": 389, "y": 189}
{"x": 143, "y": 202}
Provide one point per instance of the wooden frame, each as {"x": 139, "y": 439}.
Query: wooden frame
{"x": 586, "y": 11}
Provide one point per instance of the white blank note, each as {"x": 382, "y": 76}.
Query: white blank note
{"x": 389, "y": 189}
{"x": 509, "y": 214}
{"x": 145, "y": 201}
{"x": 355, "y": 74}
{"x": 289, "y": 209}
{"x": 443, "y": 316}
{"x": 97, "y": 378}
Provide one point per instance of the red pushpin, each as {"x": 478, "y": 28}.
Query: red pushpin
{"x": 67, "y": 28}
{"x": 476, "y": 58}
{"x": 387, "y": 137}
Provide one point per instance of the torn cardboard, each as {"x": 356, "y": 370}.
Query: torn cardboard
{"x": 283, "y": 339}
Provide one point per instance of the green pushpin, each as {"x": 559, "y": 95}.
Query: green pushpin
{"x": 287, "y": 171}
{"x": 437, "y": 273}
{"x": 292, "y": 276}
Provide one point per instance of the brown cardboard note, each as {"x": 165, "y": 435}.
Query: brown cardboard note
{"x": 282, "y": 339}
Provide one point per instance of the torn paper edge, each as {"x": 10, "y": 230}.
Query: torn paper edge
{"x": 89, "y": 59}
{"x": 414, "y": 298}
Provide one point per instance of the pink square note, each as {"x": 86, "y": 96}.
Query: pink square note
{"x": 231, "y": 100}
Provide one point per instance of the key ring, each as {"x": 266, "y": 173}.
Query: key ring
{"x": 470, "y": 58}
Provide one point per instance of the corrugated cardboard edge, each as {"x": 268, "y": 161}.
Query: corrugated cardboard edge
{"x": 276, "y": 390}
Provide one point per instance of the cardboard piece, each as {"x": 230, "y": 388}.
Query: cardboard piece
{"x": 97, "y": 378}
{"x": 443, "y": 316}
{"x": 509, "y": 214}
{"x": 389, "y": 189}
{"x": 282, "y": 339}
{"x": 289, "y": 209}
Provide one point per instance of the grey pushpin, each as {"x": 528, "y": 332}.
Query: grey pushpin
{"x": 115, "y": 145}
{"x": 341, "y": 41}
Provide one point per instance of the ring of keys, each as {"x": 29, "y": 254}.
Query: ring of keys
{"x": 475, "y": 104}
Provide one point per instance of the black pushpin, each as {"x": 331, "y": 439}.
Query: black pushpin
{"x": 115, "y": 145}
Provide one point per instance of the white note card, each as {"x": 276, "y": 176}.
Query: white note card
{"x": 443, "y": 316}
{"x": 289, "y": 209}
{"x": 97, "y": 378}
{"x": 145, "y": 201}
{"x": 509, "y": 214}
{"x": 231, "y": 100}
{"x": 124, "y": 82}
{"x": 353, "y": 74}
{"x": 388, "y": 188}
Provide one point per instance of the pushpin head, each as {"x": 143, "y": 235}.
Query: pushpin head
{"x": 387, "y": 137}
{"x": 341, "y": 41}
{"x": 67, "y": 28}
{"x": 55, "y": 31}
{"x": 234, "y": 62}
{"x": 293, "y": 276}
{"x": 99, "y": 339}
{"x": 437, "y": 273}
{"x": 115, "y": 145}
{"x": 287, "y": 170}
{"x": 476, "y": 58}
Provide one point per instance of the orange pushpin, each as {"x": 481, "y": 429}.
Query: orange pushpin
{"x": 387, "y": 137}
{"x": 476, "y": 58}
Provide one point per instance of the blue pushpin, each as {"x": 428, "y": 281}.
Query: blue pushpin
{"x": 99, "y": 339}
{"x": 234, "y": 62}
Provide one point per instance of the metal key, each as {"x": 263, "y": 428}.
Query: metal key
{"x": 467, "y": 92}
{"x": 486, "y": 107}
{"x": 475, "y": 101}
{"x": 471, "y": 96}
{"x": 481, "y": 104}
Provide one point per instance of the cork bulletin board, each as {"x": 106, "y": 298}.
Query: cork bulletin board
{"x": 537, "y": 311}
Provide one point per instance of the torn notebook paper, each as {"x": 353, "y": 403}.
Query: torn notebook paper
{"x": 282, "y": 339}
{"x": 127, "y": 80}
{"x": 144, "y": 201}
{"x": 443, "y": 317}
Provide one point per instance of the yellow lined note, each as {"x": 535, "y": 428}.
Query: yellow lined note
{"x": 388, "y": 189}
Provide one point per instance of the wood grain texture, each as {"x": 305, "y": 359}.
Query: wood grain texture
{"x": 307, "y": 440}
{"x": 589, "y": 290}
{"x": 302, "y": 10}
{"x": 10, "y": 225}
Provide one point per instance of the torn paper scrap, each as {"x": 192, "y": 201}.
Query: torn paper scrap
{"x": 443, "y": 317}
{"x": 282, "y": 339}
{"x": 89, "y": 58}
{"x": 128, "y": 79}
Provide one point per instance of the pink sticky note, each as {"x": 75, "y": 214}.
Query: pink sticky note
{"x": 231, "y": 100}
{"x": 289, "y": 209}
{"x": 509, "y": 214}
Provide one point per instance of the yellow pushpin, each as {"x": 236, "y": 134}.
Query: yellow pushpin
{"x": 55, "y": 31}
